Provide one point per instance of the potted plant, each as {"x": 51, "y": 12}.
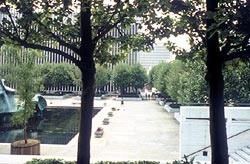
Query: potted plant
{"x": 26, "y": 79}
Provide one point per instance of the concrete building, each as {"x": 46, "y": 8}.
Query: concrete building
{"x": 152, "y": 58}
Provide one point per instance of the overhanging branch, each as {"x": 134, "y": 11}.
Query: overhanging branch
{"x": 11, "y": 19}
{"x": 107, "y": 29}
{"x": 26, "y": 44}
{"x": 58, "y": 38}
{"x": 242, "y": 55}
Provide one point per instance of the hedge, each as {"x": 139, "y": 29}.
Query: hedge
{"x": 60, "y": 161}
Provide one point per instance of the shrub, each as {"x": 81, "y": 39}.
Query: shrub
{"x": 129, "y": 95}
{"x": 60, "y": 161}
{"x": 49, "y": 161}
{"x": 128, "y": 162}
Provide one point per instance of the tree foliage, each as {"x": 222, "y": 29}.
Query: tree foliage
{"x": 59, "y": 74}
{"x": 35, "y": 23}
{"x": 193, "y": 87}
{"x": 22, "y": 72}
{"x": 138, "y": 76}
{"x": 184, "y": 81}
{"x": 125, "y": 76}
{"x": 189, "y": 18}
{"x": 81, "y": 32}
{"x": 222, "y": 28}
{"x": 237, "y": 82}
{"x": 160, "y": 73}
{"x": 121, "y": 77}
{"x": 102, "y": 76}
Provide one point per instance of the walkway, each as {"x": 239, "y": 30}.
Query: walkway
{"x": 140, "y": 130}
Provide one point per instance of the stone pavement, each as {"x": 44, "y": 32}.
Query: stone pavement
{"x": 140, "y": 130}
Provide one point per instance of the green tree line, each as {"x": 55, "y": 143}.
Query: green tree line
{"x": 65, "y": 74}
{"x": 183, "y": 81}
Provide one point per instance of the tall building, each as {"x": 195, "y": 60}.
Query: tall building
{"x": 152, "y": 58}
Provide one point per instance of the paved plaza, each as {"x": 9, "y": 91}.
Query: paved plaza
{"x": 140, "y": 130}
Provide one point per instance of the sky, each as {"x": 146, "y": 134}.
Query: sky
{"x": 181, "y": 41}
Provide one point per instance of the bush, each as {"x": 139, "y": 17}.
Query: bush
{"x": 129, "y": 95}
{"x": 175, "y": 105}
{"x": 128, "y": 162}
{"x": 49, "y": 161}
{"x": 59, "y": 161}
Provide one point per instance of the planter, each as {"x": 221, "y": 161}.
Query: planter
{"x": 105, "y": 121}
{"x": 99, "y": 132}
{"x": 110, "y": 114}
{"x": 31, "y": 148}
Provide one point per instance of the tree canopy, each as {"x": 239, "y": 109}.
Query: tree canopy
{"x": 82, "y": 32}
{"x": 102, "y": 76}
{"x": 220, "y": 28}
{"x": 58, "y": 74}
{"x": 41, "y": 25}
{"x": 125, "y": 76}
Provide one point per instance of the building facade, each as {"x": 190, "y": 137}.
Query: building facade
{"x": 152, "y": 58}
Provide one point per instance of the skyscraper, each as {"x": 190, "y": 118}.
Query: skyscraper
{"x": 159, "y": 54}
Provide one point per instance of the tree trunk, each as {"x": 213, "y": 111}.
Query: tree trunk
{"x": 83, "y": 154}
{"x": 87, "y": 68}
{"x": 216, "y": 99}
{"x": 25, "y": 132}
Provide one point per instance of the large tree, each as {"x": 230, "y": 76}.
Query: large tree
{"x": 121, "y": 76}
{"x": 102, "y": 76}
{"x": 138, "y": 76}
{"x": 222, "y": 27}
{"x": 59, "y": 74}
{"x": 158, "y": 75}
{"x": 125, "y": 76}
{"x": 79, "y": 31}
{"x": 227, "y": 38}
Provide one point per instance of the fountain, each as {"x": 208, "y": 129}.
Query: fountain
{"x": 7, "y": 99}
{"x": 49, "y": 126}
{"x": 8, "y": 104}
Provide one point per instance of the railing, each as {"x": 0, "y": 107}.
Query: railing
{"x": 58, "y": 89}
{"x": 232, "y": 136}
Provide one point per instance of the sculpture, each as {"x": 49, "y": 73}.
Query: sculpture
{"x": 8, "y": 103}
{"x": 7, "y": 99}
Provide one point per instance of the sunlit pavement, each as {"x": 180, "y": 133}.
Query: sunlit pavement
{"x": 140, "y": 130}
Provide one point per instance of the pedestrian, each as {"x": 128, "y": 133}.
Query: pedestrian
{"x": 122, "y": 101}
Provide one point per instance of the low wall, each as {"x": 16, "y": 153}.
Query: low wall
{"x": 128, "y": 99}
{"x": 171, "y": 110}
{"x": 194, "y": 129}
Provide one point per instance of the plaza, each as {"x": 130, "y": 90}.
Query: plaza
{"x": 138, "y": 130}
